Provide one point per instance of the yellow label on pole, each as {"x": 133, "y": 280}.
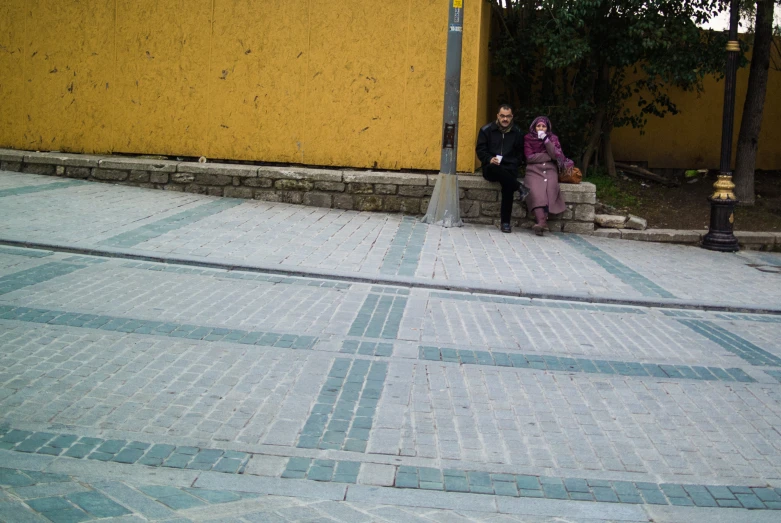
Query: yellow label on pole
{"x": 458, "y": 4}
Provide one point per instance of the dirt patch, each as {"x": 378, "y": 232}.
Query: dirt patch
{"x": 687, "y": 206}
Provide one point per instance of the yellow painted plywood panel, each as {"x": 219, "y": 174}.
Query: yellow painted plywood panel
{"x": 12, "y": 108}
{"x": 161, "y": 99}
{"x": 257, "y": 80}
{"x": 68, "y": 69}
{"x": 425, "y": 85}
{"x": 355, "y": 83}
{"x": 467, "y": 132}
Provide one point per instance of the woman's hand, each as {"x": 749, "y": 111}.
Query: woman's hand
{"x": 541, "y": 135}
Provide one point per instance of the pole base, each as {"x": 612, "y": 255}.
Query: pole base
{"x": 444, "y": 207}
{"x": 720, "y": 236}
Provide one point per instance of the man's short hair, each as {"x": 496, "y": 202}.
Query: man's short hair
{"x": 505, "y": 106}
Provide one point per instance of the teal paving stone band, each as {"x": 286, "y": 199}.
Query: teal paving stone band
{"x": 29, "y": 253}
{"x": 157, "y": 328}
{"x": 367, "y": 348}
{"x": 379, "y": 317}
{"x": 527, "y": 302}
{"x": 29, "y": 189}
{"x": 775, "y": 374}
{"x": 577, "y": 489}
{"x": 127, "y": 452}
{"x": 346, "y": 406}
{"x": 396, "y": 291}
{"x": 170, "y": 223}
{"x": 563, "y": 364}
{"x": 425, "y": 478}
{"x": 42, "y": 273}
{"x": 615, "y": 268}
{"x": 249, "y": 276}
{"x": 749, "y": 317}
{"x": 403, "y": 255}
{"x": 733, "y": 343}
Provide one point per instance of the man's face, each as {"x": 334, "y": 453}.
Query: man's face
{"x": 505, "y": 117}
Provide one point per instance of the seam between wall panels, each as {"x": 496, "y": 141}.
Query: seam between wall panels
{"x": 303, "y": 139}
{"x": 207, "y": 146}
{"x": 406, "y": 77}
{"x": 113, "y": 90}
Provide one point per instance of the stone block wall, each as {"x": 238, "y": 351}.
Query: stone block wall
{"x": 407, "y": 193}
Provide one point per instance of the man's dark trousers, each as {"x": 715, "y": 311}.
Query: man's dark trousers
{"x": 510, "y": 184}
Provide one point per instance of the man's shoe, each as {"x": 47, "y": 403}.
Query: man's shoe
{"x": 505, "y": 227}
{"x": 523, "y": 193}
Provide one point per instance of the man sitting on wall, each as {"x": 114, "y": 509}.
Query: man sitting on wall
{"x": 500, "y": 149}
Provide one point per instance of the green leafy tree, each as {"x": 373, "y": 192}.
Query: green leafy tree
{"x": 595, "y": 65}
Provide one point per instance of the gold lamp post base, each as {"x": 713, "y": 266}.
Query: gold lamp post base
{"x": 722, "y": 217}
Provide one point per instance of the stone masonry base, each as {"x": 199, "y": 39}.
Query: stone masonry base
{"x": 330, "y": 188}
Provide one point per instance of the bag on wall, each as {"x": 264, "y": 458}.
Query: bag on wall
{"x": 570, "y": 176}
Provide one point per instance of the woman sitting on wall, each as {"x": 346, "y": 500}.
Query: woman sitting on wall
{"x": 544, "y": 159}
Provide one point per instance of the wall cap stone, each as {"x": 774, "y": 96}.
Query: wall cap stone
{"x": 11, "y": 155}
{"x": 224, "y": 169}
{"x": 64, "y": 159}
{"x": 140, "y": 164}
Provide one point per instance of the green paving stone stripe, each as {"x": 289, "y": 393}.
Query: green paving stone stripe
{"x": 380, "y": 289}
{"x": 549, "y": 304}
{"x": 367, "y": 348}
{"x": 577, "y": 489}
{"x": 733, "y": 343}
{"x": 615, "y": 268}
{"x": 29, "y": 253}
{"x": 775, "y": 374}
{"x": 157, "y": 328}
{"x": 170, "y": 223}
{"x": 93, "y": 504}
{"x": 25, "y": 278}
{"x": 729, "y": 316}
{"x": 379, "y": 317}
{"x": 770, "y": 259}
{"x": 29, "y": 189}
{"x": 216, "y": 273}
{"x": 343, "y": 415}
{"x": 403, "y": 254}
{"x": 448, "y": 480}
{"x": 322, "y": 470}
{"x": 749, "y": 317}
{"x": 555, "y": 363}
{"x": 122, "y": 451}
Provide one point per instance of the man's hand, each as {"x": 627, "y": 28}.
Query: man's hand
{"x": 495, "y": 161}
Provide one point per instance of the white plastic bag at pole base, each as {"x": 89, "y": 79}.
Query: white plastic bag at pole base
{"x": 444, "y": 209}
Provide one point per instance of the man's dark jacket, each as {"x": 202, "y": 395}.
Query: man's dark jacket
{"x": 491, "y": 141}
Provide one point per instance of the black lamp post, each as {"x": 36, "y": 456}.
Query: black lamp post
{"x": 723, "y": 201}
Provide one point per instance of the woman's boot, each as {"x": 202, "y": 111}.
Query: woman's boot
{"x": 541, "y": 219}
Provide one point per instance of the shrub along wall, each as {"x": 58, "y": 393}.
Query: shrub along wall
{"x": 338, "y": 189}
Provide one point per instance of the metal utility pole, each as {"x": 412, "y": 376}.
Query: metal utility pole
{"x": 444, "y": 209}
{"x": 722, "y": 211}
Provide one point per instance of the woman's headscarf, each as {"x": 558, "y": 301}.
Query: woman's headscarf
{"x": 533, "y": 145}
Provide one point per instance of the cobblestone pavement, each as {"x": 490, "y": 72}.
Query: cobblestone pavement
{"x": 145, "y": 391}
{"x": 372, "y": 245}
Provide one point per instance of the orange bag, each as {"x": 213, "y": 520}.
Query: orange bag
{"x": 571, "y": 176}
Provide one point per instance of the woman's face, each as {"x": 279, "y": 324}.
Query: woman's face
{"x": 541, "y": 127}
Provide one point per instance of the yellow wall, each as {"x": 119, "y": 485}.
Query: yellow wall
{"x": 350, "y": 83}
{"x": 692, "y": 138}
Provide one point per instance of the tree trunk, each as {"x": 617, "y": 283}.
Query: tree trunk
{"x": 602, "y": 91}
{"x": 751, "y": 122}
{"x": 607, "y": 151}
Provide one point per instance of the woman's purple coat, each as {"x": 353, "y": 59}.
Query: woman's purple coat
{"x": 542, "y": 173}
